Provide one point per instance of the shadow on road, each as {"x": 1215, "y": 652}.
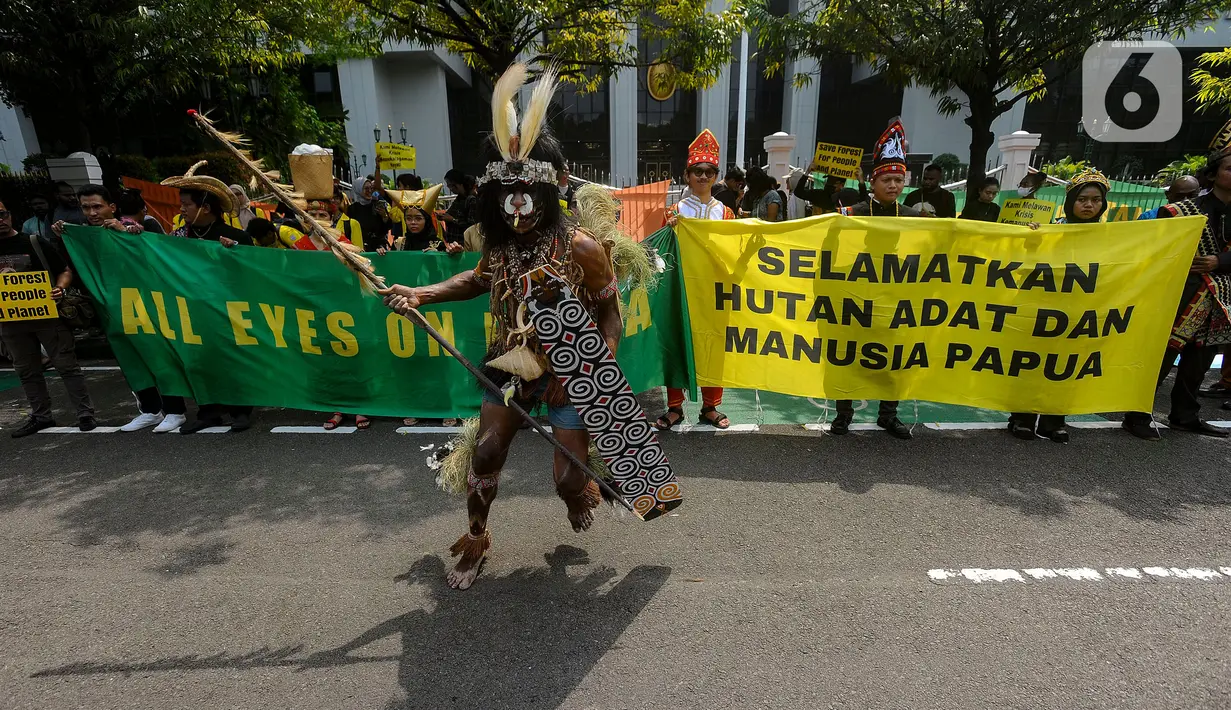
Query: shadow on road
{"x": 523, "y": 640}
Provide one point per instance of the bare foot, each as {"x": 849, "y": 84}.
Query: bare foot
{"x": 466, "y": 571}
{"x": 580, "y": 519}
{"x": 581, "y": 506}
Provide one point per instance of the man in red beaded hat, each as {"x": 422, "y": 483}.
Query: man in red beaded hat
{"x": 700, "y": 173}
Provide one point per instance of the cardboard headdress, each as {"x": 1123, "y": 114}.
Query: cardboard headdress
{"x": 423, "y": 199}
{"x": 889, "y": 155}
{"x": 191, "y": 181}
{"x": 704, "y": 149}
{"x": 513, "y": 141}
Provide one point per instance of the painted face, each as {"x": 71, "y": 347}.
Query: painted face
{"x": 1088, "y": 203}
{"x": 519, "y": 209}
{"x": 415, "y": 223}
{"x": 701, "y": 177}
{"x": 988, "y": 194}
{"x": 96, "y": 210}
{"x": 887, "y": 186}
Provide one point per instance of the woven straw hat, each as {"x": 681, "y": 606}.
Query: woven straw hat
{"x": 191, "y": 181}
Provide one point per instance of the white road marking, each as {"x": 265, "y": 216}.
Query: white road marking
{"x": 75, "y": 430}
{"x": 94, "y": 368}
{"x": 1079, "y": 574}
{"x": 313, "y": 430}
{"x": 434, "y": 429}
{"x": 966, "y": 426}
{"x": 865, "y": 426}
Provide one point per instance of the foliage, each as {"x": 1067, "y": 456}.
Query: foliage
{"x": 133, "y": 166}
{"x": 5, "y": 169}
{"x": 1189, "y": 165}
{"x": 1213, "y": 89}
{"x": 35, "y": 162}
{"x": 994, "y": 52}
{"x": 83, "y": 59}
{"x": 277, "y": 118}
{"x": 589, "y": 39}
{"x": 1065, "y": 168}
{"x": 948, "y": 162}
{"x": 220, "y": 164}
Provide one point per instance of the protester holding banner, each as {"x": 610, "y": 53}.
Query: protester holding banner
{"x": 1202, "y": 325}
{"x": 25, "y": 253}
{"x": 932, "y": 199}
{"x": 824, "y": 200}
{"x": 985, "y": 208}
{"x": 1084, "y": 203}
{"x": 888, "y": 179}
{"x": 700, "y": 174}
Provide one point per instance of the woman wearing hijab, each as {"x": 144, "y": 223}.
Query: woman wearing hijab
{"x": 1084, "y": 203}
{"x": 764, "y": 202}
{"x": 244, "y": 211}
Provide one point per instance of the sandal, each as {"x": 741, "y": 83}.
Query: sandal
{"x": 333, "y": 422}
{"x": 718, "y": 420}
{"x": 667, "y": 422}
{"x": 362, "y": 422}
{"x": 410, "y": 421}
{"x": 450, "y": 422}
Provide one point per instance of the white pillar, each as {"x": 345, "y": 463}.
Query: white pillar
{"x": 800, "y": 105}
{"x": 622, "y": 115}
{"x": 18, "y": 138}
{"x": 360, "y": 97}
{"x": 742, "y": 118}
{"x": 779, "y": 148}
{"x": 1016, "y": 150}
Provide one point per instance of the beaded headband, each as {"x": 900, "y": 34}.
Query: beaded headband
{"x": 529, "y": 171}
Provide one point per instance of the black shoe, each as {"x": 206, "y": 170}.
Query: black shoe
{"x": 87, "y": 424}
{"x": 1021, "y": 431}
{"x": 33, "y": 426}
{"x": 1226, "y": 405}
{"x": 841, "y": 425}
{"x": 895, "y": 427}
{"x": 199, "y": 424}
{"x": 1200, "y": 427}
{"x": 1060, "y": 436}
{"x": 1216, "y": 390}
{"x": 240, "y": 423}
{"x": 1142, "y": 429}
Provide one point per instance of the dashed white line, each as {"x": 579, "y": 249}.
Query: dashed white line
{"x": 978, "y": 575}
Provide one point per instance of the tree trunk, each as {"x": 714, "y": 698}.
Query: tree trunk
{"x": 982, "y": 112}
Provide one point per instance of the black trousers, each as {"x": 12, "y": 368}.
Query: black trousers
{"x": 215, "y": 411}
{"x": 1042, "y": 422}
{"x": 150, "y": 401}
{"x": 888, "y": 408}
{"x": 1195, "y": 362}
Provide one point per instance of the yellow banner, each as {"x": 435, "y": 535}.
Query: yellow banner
{"x": 26, "y": 295}
{"x": 1023, "y": 212}
{"x": 839, "y": 160}
{"x": 1068, "y": 319}
{"x": 395, "y": 156}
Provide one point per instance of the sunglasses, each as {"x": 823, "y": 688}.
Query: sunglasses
{"x": 704, "y": 173}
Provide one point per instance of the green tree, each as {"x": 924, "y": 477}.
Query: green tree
{"x": 1189, "y": 165}
{"x": 1065, "y": 168}
{"x": 589, "y": 39}
{"x": 994, "y": 52}
{"x": 69, "y": 62}
{"x": 1213, "y": 88}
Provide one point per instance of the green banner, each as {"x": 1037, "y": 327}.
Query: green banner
{"x": 286, "y": 328}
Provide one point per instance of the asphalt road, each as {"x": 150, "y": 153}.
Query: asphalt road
{"x": 264, "y": 570}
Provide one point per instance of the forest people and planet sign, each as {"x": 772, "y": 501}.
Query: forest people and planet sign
{"x": 838, "y": 160}
{"x": 26, "y": 295}
{"x": 1068, "y": 319}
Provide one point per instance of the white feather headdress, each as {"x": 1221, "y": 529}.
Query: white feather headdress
{"x": 516, "y": 142}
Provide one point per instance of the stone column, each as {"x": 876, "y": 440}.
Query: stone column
{"x": 1016, "y": 150}
{"x": 622, "y": 114}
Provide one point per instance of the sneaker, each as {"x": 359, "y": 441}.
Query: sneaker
{"x": 170, "y": 423}
{"x": 895, "y": 427}
{"x": 33, "y": 426}
{"x": 86, "y": 423}
{"x": 841, "y": 425}
{"x": 143, "y": 421}
{"x": 240, "y": 423}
